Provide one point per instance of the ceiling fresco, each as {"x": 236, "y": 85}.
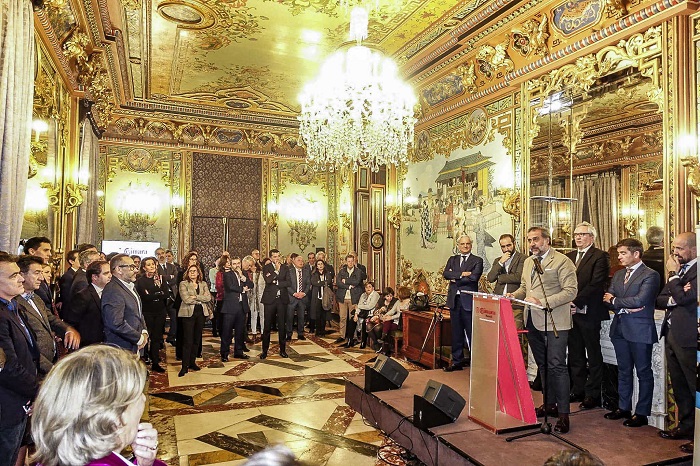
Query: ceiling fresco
{"x": 253, "y": 55}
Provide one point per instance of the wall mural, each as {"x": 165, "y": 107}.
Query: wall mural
{"x": 463, "y": 191}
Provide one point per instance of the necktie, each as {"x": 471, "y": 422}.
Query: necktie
{"x": 683, "y": 269}
{"x": 463, "y": 260}
{"x": 627, "y": 274}
{"x": 299, "y": 280}
{"x": 578, "y": 257}
{"x": 12, "y": 306}
{"x": 29, "y": 296}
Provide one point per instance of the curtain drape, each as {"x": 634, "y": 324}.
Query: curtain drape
{"x": 17, "y": 62}
{"x": 87, "y": 212}
{"x": 597, "y": 196}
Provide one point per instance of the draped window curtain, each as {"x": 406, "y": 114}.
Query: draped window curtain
{"x": 87, "y": 212}
{"x": 17, "y": 61}
{"x": 598, "y": 195}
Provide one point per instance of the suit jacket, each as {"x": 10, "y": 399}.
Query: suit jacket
{"x": 560, "y": 286}
{"x": 79, "y": 283}
{"x": 152, "y": 297}
{"x": 45, "y": 326}
{"x": 354, "y": 280}
{"x": 275, "y": 283}
{"x": 64, "y": 284}
{"x": 453, "y": 272}
{"x": 511, "y": 277}
{"x": 190, "y": 298}
{"x": 44, "y": 292}
{"x": 18, "y": 377}
{"x": 639, "y": 292}
{"x": 121, "y": 315}
{"x": 592, "y": 275}
{"x": 683, "y": 315}
{"x": 234, "y": 298}
{"x": 85, "y": 315}
{"x": 169, "y": 275}
{"x": 655, "y": 259}
{"x": 293, "y": 285}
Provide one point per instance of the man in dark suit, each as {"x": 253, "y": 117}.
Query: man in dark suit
{"x": 311, "y": 264}
{"x": 275, "y": 299}
{"x": 168, "y": 273}
{"x": 632, "y": 296}
{"x": 585, "y": 356}
{"x": 66, "y": 280}
{"x": 463, "y": 271}
{"x": 362, "y": 268}
{"x": 679, "y": 298}
{"x": 299, "y": 288}
{"x": 42, "y": 322}
{"x": 86, "y": 308}
{"x": 20, "y": 358}
{"x": 40, "y": 246}
{"x": 233, "y": 311}
{"x": 80, "y": 281}
{"x": 349, "y": 289}
{"x": 122, "y": 316}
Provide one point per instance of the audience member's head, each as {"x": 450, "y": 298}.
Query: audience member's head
{"x": 278, "y": 455}
{"x": 38, "y": 246}
{"x": 98, "y": 273}
{"x": 47, "y": 270}
{"x": 137, "y": 260}
{"x": 655, "y": 236}
{"x": 122, "y": 267}
{"x": 10, "y": 278}
{"x": 30, "y": 267}
{"x": 72, "y": 259}
{"x": 87, "y": 257}
{"x": 403, "y": 292}
{"x": 573, "y": 458}
{"x": 86, "y": 247}
{"x": 89, "y": 406}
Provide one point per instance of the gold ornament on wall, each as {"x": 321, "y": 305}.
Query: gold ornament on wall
{"x": 467, "y": 76}
{"x": 393, "y": 216}
{"x": 531, "y": 37}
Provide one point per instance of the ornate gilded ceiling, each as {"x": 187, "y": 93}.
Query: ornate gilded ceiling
{"x": 251, "y": 55}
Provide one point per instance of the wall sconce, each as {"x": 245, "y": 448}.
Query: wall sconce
{"x": 137, "y": 210}
{"x": 176, "y": 203}
{"x": 303, "y": 221}
{"x": 630, "y": 220}
{"x": 272, "y": 215}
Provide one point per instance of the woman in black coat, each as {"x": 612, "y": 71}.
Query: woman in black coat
{"x": 320, "y": 278}
{"x": 153, "y": 293}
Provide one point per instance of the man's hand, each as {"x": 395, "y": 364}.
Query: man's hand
{"x": 672, "y": 264}
{"x": 687, "y": 287}
{"x": 607, "y": 297}
{"x": 504, "y": 258}
{"x": 509, "y": 295}
{"x": 71, "y": 339}
{"x": 466, "y": 274}
{"x": 533, "y": 300}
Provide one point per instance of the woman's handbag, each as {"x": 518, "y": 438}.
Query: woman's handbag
{"x": 327, "y": 300}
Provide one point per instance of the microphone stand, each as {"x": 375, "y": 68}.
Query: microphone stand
{"x": 546, "y": 426}
{"x": 437, "y": 317}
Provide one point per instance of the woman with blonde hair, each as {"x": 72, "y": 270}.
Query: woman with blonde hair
{"x": 194, "y": 292}
{"x": 88, "y": 410}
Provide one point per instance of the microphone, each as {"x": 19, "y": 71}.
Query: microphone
{"x": 538, "y": 265}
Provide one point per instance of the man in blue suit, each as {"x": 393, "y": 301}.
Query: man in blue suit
{"x": 632, "y": 296}
{"x": 121, "y": 307}
{"x": 232, "y": 311}
{"x": 463, "y": 270}
{"x": 300, "y": 286}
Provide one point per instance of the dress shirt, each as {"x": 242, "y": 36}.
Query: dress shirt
{"x": 582, "y": 253}
{"x": 98, "y": 289}
{"x": 684, "y": 268}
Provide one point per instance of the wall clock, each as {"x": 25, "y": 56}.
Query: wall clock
{"x": 377, "y": 240}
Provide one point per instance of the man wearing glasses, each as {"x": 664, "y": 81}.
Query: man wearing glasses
{"x": 463, "y": 270}
{"x": 588, "y": 309}
{"x": 122, "y": 316}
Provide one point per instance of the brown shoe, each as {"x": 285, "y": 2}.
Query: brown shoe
{"x": 687, "y": 448}
{"x": 562, "y": 425}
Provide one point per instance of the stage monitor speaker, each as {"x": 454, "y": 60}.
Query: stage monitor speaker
{"x": 439, "y": 405}
{"x": 386, "y": 374}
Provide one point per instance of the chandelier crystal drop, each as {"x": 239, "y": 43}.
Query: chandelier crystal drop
{"x": 357, "y": 112}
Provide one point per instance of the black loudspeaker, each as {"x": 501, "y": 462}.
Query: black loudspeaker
{"x": 386, "y": 374}
{"x": 439, "y": 405}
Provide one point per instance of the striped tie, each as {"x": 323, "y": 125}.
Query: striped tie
{"x": 627, "y": 274}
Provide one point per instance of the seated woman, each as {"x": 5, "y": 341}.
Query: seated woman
{"x": 365, "y": 307}
{"x": 88, "y": 410}
{"x": 388, "y": 315}
{"x": 375, "y": 324}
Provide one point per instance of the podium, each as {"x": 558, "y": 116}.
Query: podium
{"x": 499, "y": 396}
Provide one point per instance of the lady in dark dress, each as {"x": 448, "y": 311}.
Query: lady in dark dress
{"x": 320, "y": 279}
{"x": 153, "y": 292}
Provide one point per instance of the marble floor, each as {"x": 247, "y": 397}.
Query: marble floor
{"x": 227, "y": 411}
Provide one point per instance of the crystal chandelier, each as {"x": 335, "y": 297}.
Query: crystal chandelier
{"x": 357, "y": 112}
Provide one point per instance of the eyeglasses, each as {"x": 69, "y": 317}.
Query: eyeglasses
{"x": 130, "y": 266}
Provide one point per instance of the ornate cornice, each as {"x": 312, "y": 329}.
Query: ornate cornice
{"x": 56, "y": 48}
{"x": 107, "y": 140}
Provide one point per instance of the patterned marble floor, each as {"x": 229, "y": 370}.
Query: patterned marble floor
{"x": 227, "y": 411}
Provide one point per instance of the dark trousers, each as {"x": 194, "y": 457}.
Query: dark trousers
{"x": 461, "y": 322}
{"x": 558, "y": 384}
{"x": 216, "y": 320}
{"x": 632, "y": 355}
{"x": 681, "y": 362}
{"x": 275, "y": 310}
{"x": 10, "y": 441}
{"x": 232, "y": 327}
{"x": 172, "y": 313}
{"x": 154, "y": 324}
{"x": 299, "y": 306}
{"x": 191, "y": 336}
{"x": 585, "y": 357}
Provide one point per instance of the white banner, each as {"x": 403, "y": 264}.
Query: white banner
{"x": 139, "y": 248}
